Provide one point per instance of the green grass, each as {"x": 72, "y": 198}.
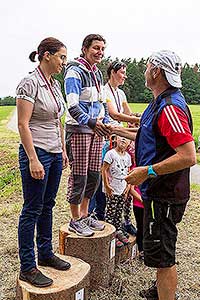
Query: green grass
{"x": 195, "y": 110}
{"x": 5, "y": 112}
{"x": 195, "y": 187}
{"x": 9, "y": 171}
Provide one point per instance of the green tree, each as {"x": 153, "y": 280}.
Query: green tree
{"x": 7, "y": 101}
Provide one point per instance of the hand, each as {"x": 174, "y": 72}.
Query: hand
{"x": 109, "y": 191}
{"x": 65, "y": 159}
{"x": 137, "y": 175}
{"x": 137, "y": 114}
{"x": 125, "y": 196}
{"x": 115, "y": 129}
{"x": 36, "y": 169}
{"x": 126, "y": 192}
{"x": 101, "y": 129}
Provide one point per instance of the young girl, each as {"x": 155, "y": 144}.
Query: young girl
{"x": 138, "y": 207}
{"x": 115, "y": 168}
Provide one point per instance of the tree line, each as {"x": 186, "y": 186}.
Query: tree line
{"x": 134, "y": 86}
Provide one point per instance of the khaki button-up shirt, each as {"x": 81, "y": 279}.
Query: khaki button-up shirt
{"x": 47, "y": 110}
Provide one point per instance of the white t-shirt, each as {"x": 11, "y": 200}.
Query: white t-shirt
{"x": 117, "y": 100}
{"x": 119, "y": 167}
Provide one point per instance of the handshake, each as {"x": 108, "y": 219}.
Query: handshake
{"x": 107, "y": 129}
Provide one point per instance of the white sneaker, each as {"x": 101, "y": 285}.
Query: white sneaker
{"x": 80, "y": 227}
{"x": 94, "y": 224}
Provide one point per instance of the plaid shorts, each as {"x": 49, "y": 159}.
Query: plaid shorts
{"x": 85, "y": 156}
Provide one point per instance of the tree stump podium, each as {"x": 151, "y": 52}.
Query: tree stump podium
{"x": 97, "y": 250}
{"x": 72, "y": 284}
{"x": 127, "y": 251}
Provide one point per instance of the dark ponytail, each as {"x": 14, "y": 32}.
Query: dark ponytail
{"x": 32, "y": 56}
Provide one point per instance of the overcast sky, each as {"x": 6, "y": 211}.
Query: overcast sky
{"x": 132, "y": 29}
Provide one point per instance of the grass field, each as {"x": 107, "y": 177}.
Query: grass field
{"x": 9, "y": 173}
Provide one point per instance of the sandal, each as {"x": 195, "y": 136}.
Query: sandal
{"x": 122, "y": 237}
{"x": 119, "y": 244}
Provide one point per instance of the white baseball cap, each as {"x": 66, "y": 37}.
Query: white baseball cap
{"x": 170, "y": 62}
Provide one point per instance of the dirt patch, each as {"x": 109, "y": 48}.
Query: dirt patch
{"x": 130, "y": 277}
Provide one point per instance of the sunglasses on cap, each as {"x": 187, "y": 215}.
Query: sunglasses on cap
{"x": 118, "y": 65}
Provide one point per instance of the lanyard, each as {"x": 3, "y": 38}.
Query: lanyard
{"x": 117, "y": 100}
{"x": 50, "y": 88}
{"x": 89, "y": 67}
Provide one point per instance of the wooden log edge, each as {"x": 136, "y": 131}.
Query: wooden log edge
{"x": 62, "y": 236}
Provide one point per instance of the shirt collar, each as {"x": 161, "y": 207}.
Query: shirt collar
{"x": 166, "y": 93}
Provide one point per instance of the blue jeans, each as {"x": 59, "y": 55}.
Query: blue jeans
{"x": 39, "y": 199}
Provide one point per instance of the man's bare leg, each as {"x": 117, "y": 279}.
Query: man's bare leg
{"x": 167, "y": 283}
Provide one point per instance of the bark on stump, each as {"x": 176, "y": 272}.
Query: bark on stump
{"x": 97, "y": 250}
{"x": 72, "y": 284}
{"x": 126, "y": 252}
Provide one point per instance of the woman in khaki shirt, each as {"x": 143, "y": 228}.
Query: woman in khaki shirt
{"x": 42, "y": 156}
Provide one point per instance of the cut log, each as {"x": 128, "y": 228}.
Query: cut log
{"x": 127, "y": 251}
{"x": 72, "y": 284}
{"x": 97, "y": 250}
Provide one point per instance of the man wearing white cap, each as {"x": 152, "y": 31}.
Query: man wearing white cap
{"x": 165, "y": 151}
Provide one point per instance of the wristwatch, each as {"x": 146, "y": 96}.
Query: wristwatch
{"x": 151, "y": 173}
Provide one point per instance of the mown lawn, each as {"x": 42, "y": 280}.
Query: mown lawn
{"x": 5, "y": 112}
{"x": 9, "y": 173}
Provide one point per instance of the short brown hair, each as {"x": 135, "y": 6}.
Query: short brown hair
{"x": 115, "y": 65}
{"x": 87, "y": 42}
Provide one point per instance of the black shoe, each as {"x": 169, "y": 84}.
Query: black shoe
{"x": 55, "y": 262}
{"x": 151, "y": 293}
{"x": 129, "y": 228}
{"x": 36, "y": 278}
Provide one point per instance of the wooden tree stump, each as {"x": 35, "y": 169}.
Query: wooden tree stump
{"x": 126, "y": 252}
{"x": 97, "y": 250}
{"x": 72, "y": 284}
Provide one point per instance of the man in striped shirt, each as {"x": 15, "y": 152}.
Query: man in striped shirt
{"x": 165, "y": 151}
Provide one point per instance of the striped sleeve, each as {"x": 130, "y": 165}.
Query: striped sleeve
{"x": 72, "y": 86}
{"x": 173, "y": 124}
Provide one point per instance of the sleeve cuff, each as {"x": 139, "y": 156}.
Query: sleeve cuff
{"x": 25, "y": 98}
{"x": 92, "y": 123}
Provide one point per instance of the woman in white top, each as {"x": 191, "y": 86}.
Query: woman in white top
{"x": 118, "y": 107}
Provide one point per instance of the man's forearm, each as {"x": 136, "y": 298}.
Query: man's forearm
{"x": 184, "y": 158}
